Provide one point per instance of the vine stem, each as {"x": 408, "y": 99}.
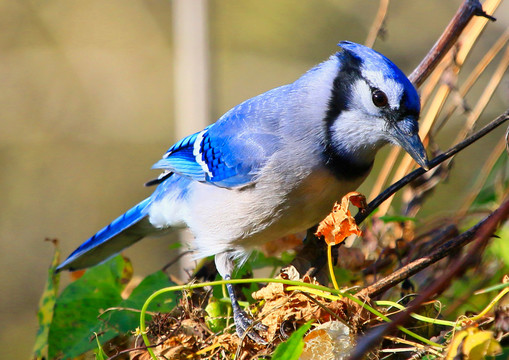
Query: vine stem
{"x": 361, "y": 303}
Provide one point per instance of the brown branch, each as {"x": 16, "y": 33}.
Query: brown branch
{"x": 481, "y": 233}
{"x": 362, "y": 215}
{"x": 417, "y": 265}
{"x": 467, "y": 10}
{"x": 378, "y": 23}
{"x": 414, "y": 267}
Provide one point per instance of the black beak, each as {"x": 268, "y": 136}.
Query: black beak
{"x": 405, "y": 133}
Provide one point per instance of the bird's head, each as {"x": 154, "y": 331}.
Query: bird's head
{"x": 372, "y": 103}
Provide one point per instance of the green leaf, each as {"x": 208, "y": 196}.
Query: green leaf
{"x": 396, "y": 218}
{"x": 80, "y": 304}
{"x": 129, "y": 320}
{"x": 292, "y": 348}
{"x": 99, "y": 352}
{"x": 46, "y": 306}
{"x": 216, "y": 314}
{"x": 80, "y": 309}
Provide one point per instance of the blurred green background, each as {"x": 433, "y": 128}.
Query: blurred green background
{"x": 87, "y": 106}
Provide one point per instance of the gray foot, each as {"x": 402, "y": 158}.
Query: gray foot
{"x": 243, "y": 322}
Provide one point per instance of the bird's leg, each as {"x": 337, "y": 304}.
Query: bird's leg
{"x": 243, "y": 321}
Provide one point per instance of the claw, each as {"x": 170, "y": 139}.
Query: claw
{"x": 260, "y": 327}
{"x": 243, "y": 322}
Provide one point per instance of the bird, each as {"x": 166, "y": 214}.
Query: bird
{"x": 273, "y": 165}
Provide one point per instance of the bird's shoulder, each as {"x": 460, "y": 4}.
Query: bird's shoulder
{"x": 230, "y": 152}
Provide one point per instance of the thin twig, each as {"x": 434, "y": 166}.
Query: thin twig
{"x": 482, "y": 177}
{"x": 467, "y": 10}
{"x": 486, "y": 96}
{"x": 361, "y": 215}
{"x": 471, "y": 33}
{"x": 443, "y": 234}
{"x": 417, "y": 265}
{"x": 378, "y": 23}
{"x": 473, "y": 77}
{"x": 436, "y": 78}
{"x": 471, "y": 30}
{"x": 481, "y": 232}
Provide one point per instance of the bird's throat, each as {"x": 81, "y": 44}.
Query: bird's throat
{"x": 343, "y": 165}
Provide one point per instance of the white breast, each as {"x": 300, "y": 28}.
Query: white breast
{"x": 240, "y": 220}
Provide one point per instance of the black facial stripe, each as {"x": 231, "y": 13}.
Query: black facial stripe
{"x": 342, "y": 165}
{"x": 347, "y": 75}
{"x": 403, "y": 109}
{"x": 403, "y": 112}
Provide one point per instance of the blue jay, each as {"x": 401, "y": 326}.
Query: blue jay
{"x": 273, "y": 165}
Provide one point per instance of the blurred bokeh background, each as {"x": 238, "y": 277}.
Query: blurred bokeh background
{"x": 88, "y": 103}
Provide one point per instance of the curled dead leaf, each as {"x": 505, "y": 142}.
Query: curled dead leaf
{"x": 281, "y": 306}
{"x": 340, "y": 224}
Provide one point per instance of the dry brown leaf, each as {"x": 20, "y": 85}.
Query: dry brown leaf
{"x": 176, "y": 347}
{"x": 275, "y": 290}
{"x": 282, "y": 306}
{"x": 180, "y": 334}
{"x": 340, "y": 224}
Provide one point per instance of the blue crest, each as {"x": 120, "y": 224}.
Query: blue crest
{"x": 372, "y": 60}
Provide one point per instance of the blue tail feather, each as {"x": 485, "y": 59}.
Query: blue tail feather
{"x": 121, "y": 233}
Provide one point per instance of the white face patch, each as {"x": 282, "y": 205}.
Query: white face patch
{"x": 355, "y": 132}
{"x": 361, "y": 98}
{"x": 393, "y": 89}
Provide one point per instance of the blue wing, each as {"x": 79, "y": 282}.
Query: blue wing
{"x": 230, "y": 152}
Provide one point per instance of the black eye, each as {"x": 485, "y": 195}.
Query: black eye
{"x": 379, "y": 98}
